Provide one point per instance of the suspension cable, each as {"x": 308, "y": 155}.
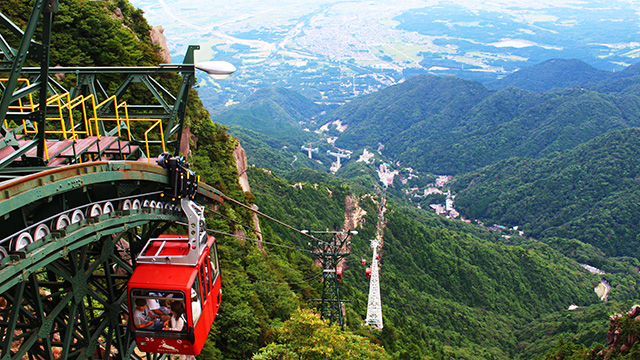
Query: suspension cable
{"x": 259, "y": 241}
{"x": 272, "y": 291}
{"x": 274, "y": 219}
{"x": 250, "y": 239}
{"x": 223, "y": 250}
{"x": 304, "y": 281}
{"x": 241, "y": 223}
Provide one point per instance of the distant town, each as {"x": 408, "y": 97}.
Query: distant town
{"x": 332, "y": 52}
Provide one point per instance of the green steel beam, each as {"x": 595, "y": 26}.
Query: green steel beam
{"x": 41, "y": 113}
{"x": 81, "y": 311}
{"x": 25, "y": 190}
{"x": 40, "y": 7}
{"x": 18, "y": 153}
{"x": 125, "y": 70}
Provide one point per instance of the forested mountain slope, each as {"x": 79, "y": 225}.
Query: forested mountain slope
{"x": 261, "y": 288}
{"x": 568, "y": 73}
{"x": 621, "y": 342}
{"x": 623, "y": 82}
{"x": 448, "y": 125}
{"x": 590, "y": 193}
{"x": 276, "y": 154}
{"x": 445, "y": 124}
{"x": 275, "y": 112}
{"x": 445, "y": 292}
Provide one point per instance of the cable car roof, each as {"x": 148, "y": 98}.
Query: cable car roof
{"x": 162, "y": 276}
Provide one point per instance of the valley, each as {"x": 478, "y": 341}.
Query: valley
{"x": 543, "y": 198}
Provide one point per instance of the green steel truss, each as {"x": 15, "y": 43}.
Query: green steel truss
{"x": 72, "y": 303}
{"x": 13, "y": 62}
{"x": 167, "y": 105}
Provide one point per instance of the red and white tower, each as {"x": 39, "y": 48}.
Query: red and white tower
{"x": 374, "y": 308}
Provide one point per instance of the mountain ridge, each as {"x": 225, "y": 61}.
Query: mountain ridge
{"x": 277, "y": 112}
{"x": 477, "y": 126}
{"x": 586, "y": 193}
{"x": 552, "y": 74}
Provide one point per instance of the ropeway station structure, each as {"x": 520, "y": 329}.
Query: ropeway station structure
{"x": 81, "y": 193}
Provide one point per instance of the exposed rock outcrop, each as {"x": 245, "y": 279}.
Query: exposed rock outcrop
{"x": 621, "y": 335}
{"x": 118, "y": 13}
{"x": 353, "y": 213}
{"x": 241, "y": 164}
{"x": 157, "y": 38}
{"x": 256, "y": 225}
{"x": 59, "y": 76}
{"x": 186, "y": 139}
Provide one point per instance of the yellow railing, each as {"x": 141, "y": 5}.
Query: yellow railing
{"x": 146, "y": 138}
{"x": 23, "y": 108}
{"x": 119, "y": 109}
{"x": 65, "y": 106}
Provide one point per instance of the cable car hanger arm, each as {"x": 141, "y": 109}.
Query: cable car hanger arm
{"x": 183, "y": 186}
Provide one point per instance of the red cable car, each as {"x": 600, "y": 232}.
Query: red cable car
{"x": 339, "y": 273}
{"x": 174, "y": 292}
{"x": 368, "y": 272}
{"x": 364, "y": 262}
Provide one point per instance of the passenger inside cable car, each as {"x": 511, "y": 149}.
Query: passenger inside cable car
{"x": 178, "y": 320}
{"x": 176, "y": 276}
{"x": 144, "y": 316}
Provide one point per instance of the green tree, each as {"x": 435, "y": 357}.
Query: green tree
{"x": 305, "y": 336}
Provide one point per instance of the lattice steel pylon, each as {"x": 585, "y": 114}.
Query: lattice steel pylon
{"x": 330, "y": 255}
{"x": 374, "y": 307}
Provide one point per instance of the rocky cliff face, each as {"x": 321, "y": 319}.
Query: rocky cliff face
{"x": 353, "y": 213}
{"x": 185, "y": 141}
{"x": 241, "y": 164}
{"x": 157, "y": 38}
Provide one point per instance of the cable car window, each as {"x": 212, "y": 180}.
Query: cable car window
{"x": 207, "y": 271}
{"x": 214, "y": 260}
{"x": 196, "y": 304}
{"x": 203, "y": 282}
{"x": 158, "y": 310}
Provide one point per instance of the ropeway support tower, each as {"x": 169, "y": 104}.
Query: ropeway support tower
{"x": 331, "y": 254}
{"x": 342, "y": 154}
{"x": 374, "y": 307}
{"x": 310, "y": 150}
